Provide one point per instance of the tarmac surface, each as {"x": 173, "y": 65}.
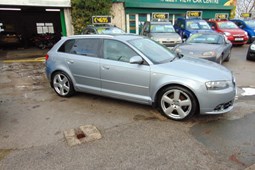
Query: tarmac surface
{"x": 33, "y": 119}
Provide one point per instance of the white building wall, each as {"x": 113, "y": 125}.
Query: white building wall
{"x": 45, "y": 3}
{"x": 118, "y": 13}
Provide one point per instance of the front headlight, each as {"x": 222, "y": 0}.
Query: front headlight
{"x": 245, "y": 33}
{"x": 179, "y": 39}
{"x": 154, "y": 38}
{"x": 209, "y": 53}
{"x": 178, "y": 50}
{"x": 217, "y": 85}
{"x": 253, "y": 47}
{"x": 227, "y": 33}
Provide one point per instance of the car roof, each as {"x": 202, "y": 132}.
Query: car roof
{"x": 160, "y": 22}
{"x": 124, "y": 37}
{"x": 209, "y": 33}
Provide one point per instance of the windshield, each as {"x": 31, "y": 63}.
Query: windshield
{"x": 110, "y": 30}
{"x": 152, "y": 50}
{"x": 250, "y": 23}
{"x": 198, "y": 25}
{"x": 227, "y": 25}
{"x": 205, "y": 38}
{"x": 162, "y": 28}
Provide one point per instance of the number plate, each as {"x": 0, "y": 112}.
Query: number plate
{"x": 238, "y": 39}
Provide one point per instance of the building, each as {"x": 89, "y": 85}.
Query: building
{"x": 29, "y": 17}
{"x": 136, "y": 12}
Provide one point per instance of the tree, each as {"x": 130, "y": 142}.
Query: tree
{"x": 244, "y": 6}
{"x": 83, "y": 10}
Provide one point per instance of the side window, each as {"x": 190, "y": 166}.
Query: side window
{"x": 86, "y": 31}
{"x": 115, "y": 50}
{"x": 212, "y": 24}
{"x": 67, "y": 46}
{"x": 147, "y": 27}
{"x": 87, "y": 47}
{"x": 182, "y": 24}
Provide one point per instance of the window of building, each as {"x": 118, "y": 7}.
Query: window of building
{"x": 44, "y": 28}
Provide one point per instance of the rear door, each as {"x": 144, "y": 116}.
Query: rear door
{"x": 121, "y": 79}
{"x": 83, "y": 63}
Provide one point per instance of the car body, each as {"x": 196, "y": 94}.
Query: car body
{"x": 186, "y": 27}
{"x": 234, "y": 34}
{"x": 210, "y": 46}
{"x": 162, "y": 32}
{"x": 247, "y": 25}
{"x": 102, "y": 29}
{"x": 9, "y": 38}
{"x": 251, "y": 52}
{"x": 138, "y": 69}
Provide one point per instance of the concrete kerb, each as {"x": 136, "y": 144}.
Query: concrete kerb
{"x": 83, "y": 134}
{"x": 252, "y": 167}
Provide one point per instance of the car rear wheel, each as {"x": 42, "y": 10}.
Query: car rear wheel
{"x": 62, "y": 84}
{"x": 228, "y": 57}
{"x": 177, "y": 103}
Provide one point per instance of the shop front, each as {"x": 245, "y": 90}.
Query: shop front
{"x": 31, "y": 18}
{"x": 137, "y": 12}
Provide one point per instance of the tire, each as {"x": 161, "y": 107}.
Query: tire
{"x": 220, "y": 60}
{"x": 62, "y": 84}
{"x": 228, "y": 57}
{"x": 177, "y": 103}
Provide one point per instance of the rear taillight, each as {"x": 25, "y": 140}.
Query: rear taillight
{"x": 46, "y": 57}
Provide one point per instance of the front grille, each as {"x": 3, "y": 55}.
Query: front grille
{"x": 168, "y": 42}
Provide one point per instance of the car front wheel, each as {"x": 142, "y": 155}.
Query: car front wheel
{"x": 62, "y": 84}
{"x": 177, "y": 103}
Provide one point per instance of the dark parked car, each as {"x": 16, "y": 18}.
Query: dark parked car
{"x": 251, "y": 52}
{"x": 210, "y": 46}
{"x": 137, "y": 69}
{"x": 10, "y": 39}
{"x": 102, "y": 29}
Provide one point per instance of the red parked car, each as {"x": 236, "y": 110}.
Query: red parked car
{"x": 234, "y": 34}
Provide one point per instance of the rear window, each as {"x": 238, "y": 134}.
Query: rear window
{"x": 85, "y": 46}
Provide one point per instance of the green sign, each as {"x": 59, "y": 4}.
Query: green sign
{"x": 185, "y": 2}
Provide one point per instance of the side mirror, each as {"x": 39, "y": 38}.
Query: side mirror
{"x": 213, "y": 27}
{"x": 136, "y": 60}
{"x": 241, "y": 26}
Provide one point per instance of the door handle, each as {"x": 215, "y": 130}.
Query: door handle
{"x": 106, "y": 67}
{"x": 70, "y": 62}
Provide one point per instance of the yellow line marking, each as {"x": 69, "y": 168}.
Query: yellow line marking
{"x": 39, "y": 59}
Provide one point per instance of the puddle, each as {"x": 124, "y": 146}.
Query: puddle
{"x": 248, "y": 91}
{"x": 232, "y": 140}
{"x": 4, "y": 153}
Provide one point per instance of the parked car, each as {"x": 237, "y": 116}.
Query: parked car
{"x": 102, "y": 29}
{"x": 10, "y": 39}
{"x": 138, "y": 69}
{"x": 186, "y": 27}
{"x": 234, "y": 34}
{"x": 247, "y": 25}
{"x": 251, "y": 52}
{"x": 210, "y": 46}
{"x": 162, "y": 32}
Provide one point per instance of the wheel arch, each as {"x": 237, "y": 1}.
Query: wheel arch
{"x": 155, "y": 103}
{"x": 64, "y": 71}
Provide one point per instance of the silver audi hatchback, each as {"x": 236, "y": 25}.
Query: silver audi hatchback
{"x": 138, "y": 69}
